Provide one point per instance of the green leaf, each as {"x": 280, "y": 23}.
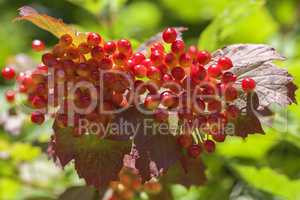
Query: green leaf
{"x": 268, "y": 180}
{"x": 254, "y": 146}
{"x": 194, "y": 11}
{"x": 8, "y": 188}
{"x": 138, "y": 19}
{"x": 239, "y": 22}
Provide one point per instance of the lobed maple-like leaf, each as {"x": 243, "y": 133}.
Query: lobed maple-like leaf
{"x": 55, "y": 26}
{"x": 97, "y": 160}
{"x": 273, "y": 85}
{"x": 153, "y": 151}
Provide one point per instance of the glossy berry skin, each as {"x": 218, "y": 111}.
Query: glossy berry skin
{"x": 8, "y": 73}
{"x": 170, "y": 59}
{"x": 138, "y": 58}
{"x": 124, "y": 46}
{"x": 230, "y": 93}
{"x": 140, "y": 71}
{"x": 178, "y": 46}
{"x": 151, "y": 102}
{"x": 203, "y": 57}
{"x": 157, "y": 57}
{"x": 209, "y": 146}
{"x": 37, "y": 45}
{"x": 198, "y": 73}
{"x": 194, "y": 150}
{"x": 185, "y": 60}
{"x": 225, "y": 63}
{"x": 248, "y": 84}
{"x": 228, "y": 77}
{"x": 93, "y": 39}
{"x": 37, "y": 117}
{"x": 110, "y": 47}
{"x": 169, "y": 35}
{"x": 178, "y": 73}
{"x": 214, "y": 71}
{"x": 157, "y": 47}
{"x": 153, "y": 73}
{"x": 66, "y": 40}
{"x": 10, "y": 96}
{"x": 168, "y": 99}
{"x": 161, "y": 115}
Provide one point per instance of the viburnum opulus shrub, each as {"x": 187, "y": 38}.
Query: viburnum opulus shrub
{"x": 126, "y": 117}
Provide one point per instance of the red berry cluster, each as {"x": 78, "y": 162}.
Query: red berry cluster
{"x": 201, "y": 90}
{"x": 130, "y": 184}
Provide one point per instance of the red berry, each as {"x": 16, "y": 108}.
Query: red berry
{"x": 185, "y": 60}
{"x": 39, "y": 102}
{"x": 168, "y": 99}
{"x": 49, "y": 60}
{"x": 232, "y": 112}
{"x": 110, "y": 47}
{"x": 22, "y": 88}
{"x": 66, "y": 40}
{"x": 161, "y": 115}
{"x": 194, "y": 150}
{"x": 147, "y": 62}
{"x": 37, "y": 45}
{"x": 199, "y": 106}
{"x": 97, "y": 52}
{"x": 220, "y": 137}
{"x": 178, "y": 73}
{"x": 124, "y": 46}
{"x": 105, "y": 63}
{"x": 209, "y": 146}
{"x": 203, "y": 57}
{"x": 193, "y": 51}
{"x": 170, "y": 59}
{"x": 248, "y": 84}
{"x": 138, "y": 58}
{"x": 214, "y": 71}
{"x": 198, "y": 72}
{"x": 37, "y": 117}
{"x": 157, "y": 57}
{"x": 140, "y": 71}
{"x": 225, "y": 63}
{"x": 231, "y": 93}
{"x": 214, "y": 105}
{"x": 93, "y": 39}
{"x": 10, "y": 96}
{"x": 157, "y": 47}
{"x": 185, "y": 140}
{"x": 151, "y": 102}
{"x": 8, "y": 73}
{"x": 153, "y": 73}
{"x": 178, "y": 46}
{"x": 84, "y": 48}
{"x": 167, "y": 78}
{"x": 169, "y": 35}
{"x": 119, "y": 59}
{"x": 228, "y": 77}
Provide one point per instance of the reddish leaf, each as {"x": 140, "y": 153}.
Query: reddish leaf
{"x": 154, "y": 150}
{"x": 97, "y": 160}
{"x": 55, "y": 26}
{"x": 188, "y": 172}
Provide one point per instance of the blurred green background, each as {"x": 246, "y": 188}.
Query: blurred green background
{"x": 258, "y": 168}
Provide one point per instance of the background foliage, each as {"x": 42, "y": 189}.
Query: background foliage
{"x": 258, "y": 168}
